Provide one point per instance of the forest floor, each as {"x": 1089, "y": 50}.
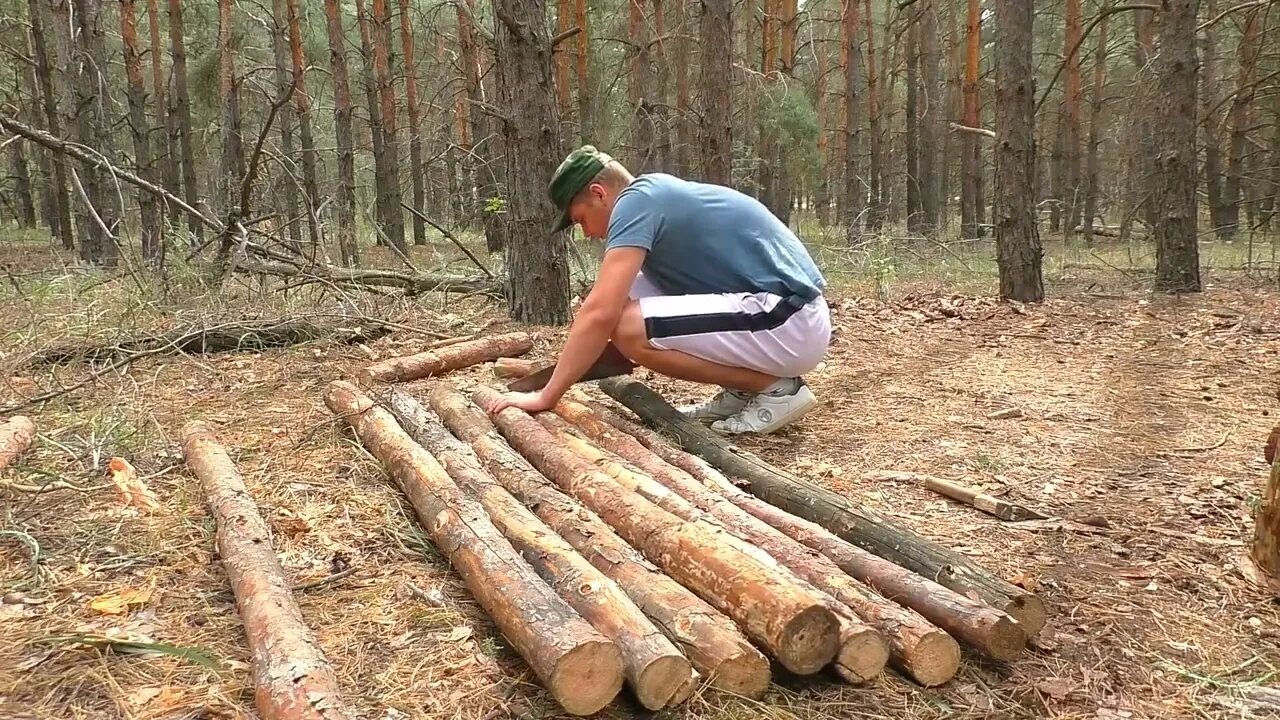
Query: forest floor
{"x": 1142, "y": 413}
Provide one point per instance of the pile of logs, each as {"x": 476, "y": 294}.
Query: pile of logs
{"x": 610, "y": 556}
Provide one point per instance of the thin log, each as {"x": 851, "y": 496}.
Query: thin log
{"x": 15, "y": 437}
{"x": 411, "y": 284}
{"x": 512, "y": 368}
{"x": 790, "y": 622}
{"x": 1266, "y": 525}
{"x": 862, "y": 654}
{"x": 435, "y": 362}
{"x": 859, "y": 525}
{"x": 989, "y": 504}
{"x": 991, "y": 631}
{"x": 239, "y": 336}
{"x": 715, "y": 646}
{"x": 292, "y": 678}
{"x": 580, "y": 667}
{"x": 918, "y": 648}
{"x": 657, "y": 673}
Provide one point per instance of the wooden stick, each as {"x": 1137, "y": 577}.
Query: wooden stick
{"x": 442, "y": 360}
{"x": 856, "y": 524}
{"x": 512, "y": 368}
{"x": 580, "y": 667}
{"x": 15, "y": 437}
{"x": 715, "y": 646}
{"x": 292, "y": 678}
{"x": 790, "y": 622}
{"x": 991, "y": 631}
{"x": 862, "y": 654}
{"x": 1002, "y": 509}
{"x": 918, "y": 648}
{"x": 656, "y": 671}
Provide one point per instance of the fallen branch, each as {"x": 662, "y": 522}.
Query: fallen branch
{"x": 412, "y": 284}
{"x": 15, "y": 437}
{"x": 859, "y": 525}
{"x": 1002, "y": 509}
{"x": 580, "y": 667}
{"x": 957, "y": 127}
{"x": 453, "y": 357}
{"x": 292, "y": 678}
{"x": 450, "y": 237}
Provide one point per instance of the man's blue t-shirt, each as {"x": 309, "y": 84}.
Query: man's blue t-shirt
{"x": 706, "y": 238}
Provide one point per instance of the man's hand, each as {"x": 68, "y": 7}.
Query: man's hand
{"x": 532, "y": 402}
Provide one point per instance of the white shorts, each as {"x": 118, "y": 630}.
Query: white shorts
{"x": 758, "y": 331}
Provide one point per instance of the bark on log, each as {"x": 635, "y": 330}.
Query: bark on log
{"x": 717, "y": 648}
{"x": 1002, "y": 509}
{"x": 435, "y": 362}
{"x": 658, "y": 674}
{"x": 858, "y": 525}
{"x": 512, "y": 368}
{"x": 991, "y": 631}
{"x": 580, "y": 667}
{"x": 412, "y": 284}
{"x": 919, "y": 649}
{"x": 292, "y": 678}
{"x": 1266, "y": 526}
{"x": 862, "y": 653}
{"x": 790, "y": 622}
{"x": 15, "y": 437}
{"x": 227, "y": 337}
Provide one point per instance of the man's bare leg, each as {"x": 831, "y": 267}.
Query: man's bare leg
{"x": 633, "y": 341}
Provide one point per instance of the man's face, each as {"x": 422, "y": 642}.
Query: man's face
{"x": 591, "y": 210}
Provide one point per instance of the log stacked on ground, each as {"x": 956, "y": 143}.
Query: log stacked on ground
{"x": 442, "y": 360}
{"x": 918, "y": 648}
{"x": 656, "y": 671}
{"x": 794, "y": 625}
{"x": 15, "y": 437}
{"x": 292, "y": 678}
{"x": 580, "y": 667}
{"x": 991, "y": 631}
{"x": 515, "y": 367}
{"x": 716, "y": 647}
{"x": 862, "y": 652}
{"x": 858, "y": 525}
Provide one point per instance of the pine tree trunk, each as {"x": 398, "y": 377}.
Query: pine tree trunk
{"x": 1177, "y": 254}
{"x": 22, "y": 186}
{"x": 715, "y": 130}
{"x": 875, "y": 173}
{"x": 1057, "y": 169}
{"x": 346, "y": 198}
{"x": 162, "y": 155}
{"x": 822, "y": 197}
{"x": 1147, "y": 146}
{"x": 288, "y": 197}
{"x": 766, "y": 139}
{"x": 660, "y": 106}
{"x": 1093, "y": 179}
{"x": 302, "y": 107}
{"x": 1018, "y": 253}
{"x": 478, "y": 125}
{"x": 231, "y": 170}
{"x": 933, "y": 134}
{"x": 1247, "y": 52}
{"x": 639, "y": 88}
{"x": 586, "y": 118}
{"x": 93, "y": 122}
{"x": 537, "y": 268}
{"x": 564, "y": 91}
{"x": 377, "y": 138}
{"x": 854, "y": 190}
{"x": 1209, "y": 123}
{"x": 680, "y": 60}
{"x": 180, "y": 117}
{"x": 1072, "y": 118}
{"x": 970, "y": 143}
{"x": 915, "y": 214}
{"x": 954, "y": 144}
{"x": 1272, "y": 203}
{"x": 416, "y": 173}
{"x": 389, "y": 182}
{"x": 148, "y": 206}
{"x": 60, "y": 221}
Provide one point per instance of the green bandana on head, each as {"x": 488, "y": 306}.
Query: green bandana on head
{"x": 575, "y": 173}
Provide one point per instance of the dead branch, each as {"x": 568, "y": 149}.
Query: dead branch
{"x": 411, "y": 284}
{"x": 449, "y": 236}
{"x": 957, "y": 127}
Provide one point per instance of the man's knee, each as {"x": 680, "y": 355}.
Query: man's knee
{"x": 630, "y": 336}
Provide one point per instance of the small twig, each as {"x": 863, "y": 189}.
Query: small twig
{"x": 435, "y": 601}
{"x": 565, "y": 35}
{"x": 325, "y": 580}
{"x": 450, "y": 236}
{"x": 1202, "y": 448}
{"x": 975, "y": 130}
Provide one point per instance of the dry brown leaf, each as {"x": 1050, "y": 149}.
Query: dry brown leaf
{"x": 119, "y": 603}
{"x": 459, "y": 634}
{"x": 1055, "y": 687}
{"x": 130, "y": 488}
{"x": 1025, "y": 580}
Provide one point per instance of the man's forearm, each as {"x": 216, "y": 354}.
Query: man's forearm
{"x": 587, "y": 338}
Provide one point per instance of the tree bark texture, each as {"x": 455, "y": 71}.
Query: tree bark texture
{"x": 1093, "y": 165}
{"x": 855, "y": 191}
{"x": 639, "y": 89}
{"x": 915, "y": 215}
{"x": 148, "y": 207}
{"x": 921, "y": 650}
{"x": 162, "y": 152}
{"x": 92, "y": 122}
{"x": 231, "y": 170}
{"x": 538, "y": 269}
{"x": 16, "y": 435}
{"x": 292, "y": 678}
{"x": 1174, "y": 201}
{"x": 970, "y": 145}
{"x": 715, "y": 127}
{"x": 1209, "y": 123}
{"x": 416, "y": 172}
{"x": 715, "y": 646}
{"x": 478, "y": 126}
{"x": 302, "y": 108}
{"x": 580, "y": 667}
{"x": 875, "y": 172}
{"x": 1018, "y": 252}
{"x": 44, "y": 64}
{"x": 288, "y": 188}
{"x": 933, "y": 122}
{"x": 862, "y": 527}
{"x": 389, "y": 182}
{"x": 791, "y": 623}
{"x": 1072, "y": 192}
{"x": 377, "y": 135}
{"x": 1247, "y": 52}
{"x": 346, "y": 191}
{"x": 435, "y": 362}
{"x": 180, "y": 116}
{"x": 656, "y": 671}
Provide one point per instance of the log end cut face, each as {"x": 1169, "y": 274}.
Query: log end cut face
{"x": 1030, "y": 612}
{"x": 1006, "y": 639}
{"x": 934, "y": 660}
{"x": 587, "y": 678}
{"x": 862, "y": 655}
{"x": 746, "y": 674}
{"x": 809, "y": 640}
{"x": 665, "y": 682}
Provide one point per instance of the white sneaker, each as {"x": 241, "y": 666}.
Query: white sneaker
{"x": 766, "y": 413}
{"x": 724, "y": 404}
